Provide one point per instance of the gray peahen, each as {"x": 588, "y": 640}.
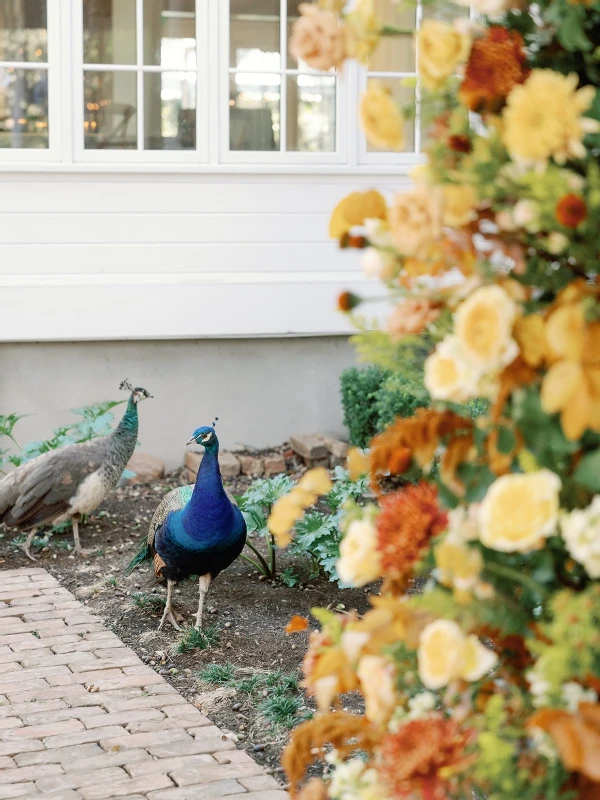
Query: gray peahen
{"x": 66, "y": 483}
{"x": 196, "y": 530}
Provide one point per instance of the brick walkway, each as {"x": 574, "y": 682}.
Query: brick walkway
{"x": 81, "y": 716}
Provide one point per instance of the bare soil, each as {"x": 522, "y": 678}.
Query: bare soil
{"x": 249, "y": 612}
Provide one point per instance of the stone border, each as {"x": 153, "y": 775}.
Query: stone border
{"x": 83, "y": 718}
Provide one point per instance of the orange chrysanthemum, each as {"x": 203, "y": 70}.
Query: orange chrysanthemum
{"x": 460, "y": 144}
{"x": 497, "y": 63}
{"x": 408, "y": 520}
{"x": 422, "y": 756}
{"x": 415, "y": 437}
{"x": 570, "y": 210}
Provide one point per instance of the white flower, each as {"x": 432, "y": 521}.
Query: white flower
{"x": 526, "y": 215}
{"x": 505, "y": 221}
{"x": 377, "y": 263}
{"x": 462, "y": 523}
{"x": 573, "y": 694}
{"x": 353, "y": 780}
{"x": 421, "y": 704}
{"x": 539, "y": 687}
{"x": 556, "y": 242}
{"x": 359, "y": 562}
{"x": 377, "y": 232}
{"x": 543, "y": 744}
{"x": 581, "y": 532}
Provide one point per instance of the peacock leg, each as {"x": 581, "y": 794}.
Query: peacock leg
{"x": 79, "y": 550}
{"x": 203, "y": 584}
{"x": 168, "y": 613}
{"x": 27, "y": 545}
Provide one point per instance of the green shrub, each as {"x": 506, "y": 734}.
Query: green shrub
{"x": 398, "y": 397}
{"x": 360, "y": 389}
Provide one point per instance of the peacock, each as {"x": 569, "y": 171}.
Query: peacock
{"x": 64, "y": 484}
{"x": 196, "y": 530}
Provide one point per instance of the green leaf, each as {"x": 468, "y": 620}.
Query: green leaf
{"x": 571, "y": 31}
{"x": 507, "y": 441}
{"x": 587, "y": 473}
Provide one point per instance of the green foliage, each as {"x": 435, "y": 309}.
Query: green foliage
{"x": 360, "y": 389}
{"x": 218, "y": 674}
{"x": 398, "y": 397}
{"x": 289, "y": 577}
{"x": 197, "y": 639}
{"x": 255, "y": 504}
{"x": 284, "y": 711}
{"x": 96, "y": 420}
{"x": 147, "y": 601}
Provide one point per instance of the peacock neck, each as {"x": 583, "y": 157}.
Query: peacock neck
{"x": 127, "y": 429}
{"x": 209, "y": 493}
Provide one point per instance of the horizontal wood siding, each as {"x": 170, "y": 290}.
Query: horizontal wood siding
{"x": 90, "y": 256}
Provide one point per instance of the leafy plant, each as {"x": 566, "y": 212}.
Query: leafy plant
{"x": 289, "y": 577}
{"x": 147, "y": 601}
{"x": 197, "y": 639}
{"x": 256, "y": 504}
{"x": 218, "y": 674}
{"x": 284, "y": 711}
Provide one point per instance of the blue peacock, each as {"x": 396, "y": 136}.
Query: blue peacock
{"x": 196, "y": 530}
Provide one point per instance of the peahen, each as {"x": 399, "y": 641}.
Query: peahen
{"x": 196, "y": 530}
{"x": 64, "y": 484}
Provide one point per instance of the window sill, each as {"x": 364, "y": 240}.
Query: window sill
{"x": 402, "y": 170}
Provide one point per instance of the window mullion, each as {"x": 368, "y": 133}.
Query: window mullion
{"x": 139, "y": 27}
{"x": 283, "y": 74}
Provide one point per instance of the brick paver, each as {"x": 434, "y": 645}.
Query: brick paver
{"x": 83, "y": 718}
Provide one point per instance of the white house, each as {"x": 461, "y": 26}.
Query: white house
{"x": 167, "y": 171}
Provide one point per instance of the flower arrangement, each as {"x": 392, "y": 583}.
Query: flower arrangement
{"x": 479, "y": 661}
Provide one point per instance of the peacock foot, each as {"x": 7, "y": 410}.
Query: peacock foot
{"x": 28, "y": 552}
{"x": 82, "y": 551}
{"x": 170, "y": 615}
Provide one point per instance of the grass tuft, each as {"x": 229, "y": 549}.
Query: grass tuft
{"x": 147, "y": 601}
{"x": 283, "y": 710}
{"x": 195, "y": 639}
{"x": 218, "y": 674}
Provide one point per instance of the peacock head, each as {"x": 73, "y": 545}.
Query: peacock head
{"x": 138, "y": 394}
{"x": 206, "y": 436}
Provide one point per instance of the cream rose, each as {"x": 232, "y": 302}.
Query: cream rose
{"x": 449, "y": 375}
{"x": 581, "y": 532}
{"x": 441, "y": 49}
{"x": 445, "y": 653}
{"x": 483, "y": 325}
{"x": 520, "y": 511}
{"x": 317, "y": 38}
{"x": 359, "y": 562}
{"x": 377, "y": 678}
{"x": 378, "y": 263}
{"x": 416, "y": 220}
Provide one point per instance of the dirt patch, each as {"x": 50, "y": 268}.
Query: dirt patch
{"x": 249, "y": 614}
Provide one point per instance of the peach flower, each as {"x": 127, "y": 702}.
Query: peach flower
{"x": 411, "y": 317}
{"x": 317, "y": 39}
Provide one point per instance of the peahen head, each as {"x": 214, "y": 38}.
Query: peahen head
{"x": 137, "y": 395}
{"x": 205, "y": 436}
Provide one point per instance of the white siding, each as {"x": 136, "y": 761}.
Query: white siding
{"x": 146, "y": 256}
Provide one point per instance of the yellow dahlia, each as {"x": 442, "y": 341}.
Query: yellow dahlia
{"x": 543, "y": 117}
{"x": 520, "y": 511}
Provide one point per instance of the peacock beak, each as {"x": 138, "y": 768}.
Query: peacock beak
{"x": 190, "y": 441}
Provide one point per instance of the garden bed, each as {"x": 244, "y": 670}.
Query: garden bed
{"x": 253, "y": 690}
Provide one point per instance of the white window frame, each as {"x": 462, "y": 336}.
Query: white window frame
{"x": 281, "y": 156}
{"x": 140, "y": 156}
{"x": 66, "y": 150}
{"x": 14, "y": 155}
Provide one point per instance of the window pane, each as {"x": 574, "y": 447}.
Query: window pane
{"x": 254, "y": 34}
{"x": 23, "y": 107}
{"x": 110, "y": 110}
{"x": 293, "y": 14}
{"x": 23, "y": 30}
{"x": 405, "y": 97}
{"x": 395, "y": 53}
{"x": 170, "y": 110}
{"x": 311, "y": 113}
{"x": 170, "y": 33}
{"x": 254, "y": 113}
{"x": 109, "y": 31}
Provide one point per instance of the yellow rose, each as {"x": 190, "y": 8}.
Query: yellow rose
{"x": 441, "y": 49}
{"x": 378, "y": 679}
{"x": 458, "y": 565}
{"x": 381, "y": 118}
{"x": 359, "y": 562}
{"x": 483, "y": 325}
{"x": 449, "y": 375}
{"x": 459, "y": 205}
{"x": 416, "y": 220}
{"x": 520, "y": 511}
{"x": 354, "y": 210}
{"x": 543, "y": 118}
{"x": 362, "y": 26}
{"x": 445, "y": 653}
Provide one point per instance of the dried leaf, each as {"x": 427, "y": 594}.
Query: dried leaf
{"x": 296, "y": 624}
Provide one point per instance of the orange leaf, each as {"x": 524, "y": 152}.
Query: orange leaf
{"x": 296, "y": 624}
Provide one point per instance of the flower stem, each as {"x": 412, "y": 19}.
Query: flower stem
{"x": 262, "y": 566}
{"x": 514, "y": 575}
{"x": 394, "y": 30}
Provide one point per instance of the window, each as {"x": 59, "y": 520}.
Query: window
{"x": 25, "y": 119}
{"x": 276, "y": 103}
{"x": 185, "y": 81}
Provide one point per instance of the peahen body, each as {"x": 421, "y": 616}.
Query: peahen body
{"x": 196, "y": 530}
{"x": 64, "y": 484}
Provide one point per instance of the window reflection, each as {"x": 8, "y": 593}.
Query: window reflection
{"x": 109, "y": 32}
{"x": 110, "y": 110}
{"x": 23, "y": 30}
{"x": 23, "y": 108}
{"x": 255, "y": 34}
{"x": 170, "y": 110}
{"x": 170, "y": 33}
{"x": 311, "y": 114}
{"x": 255, "y": 111}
